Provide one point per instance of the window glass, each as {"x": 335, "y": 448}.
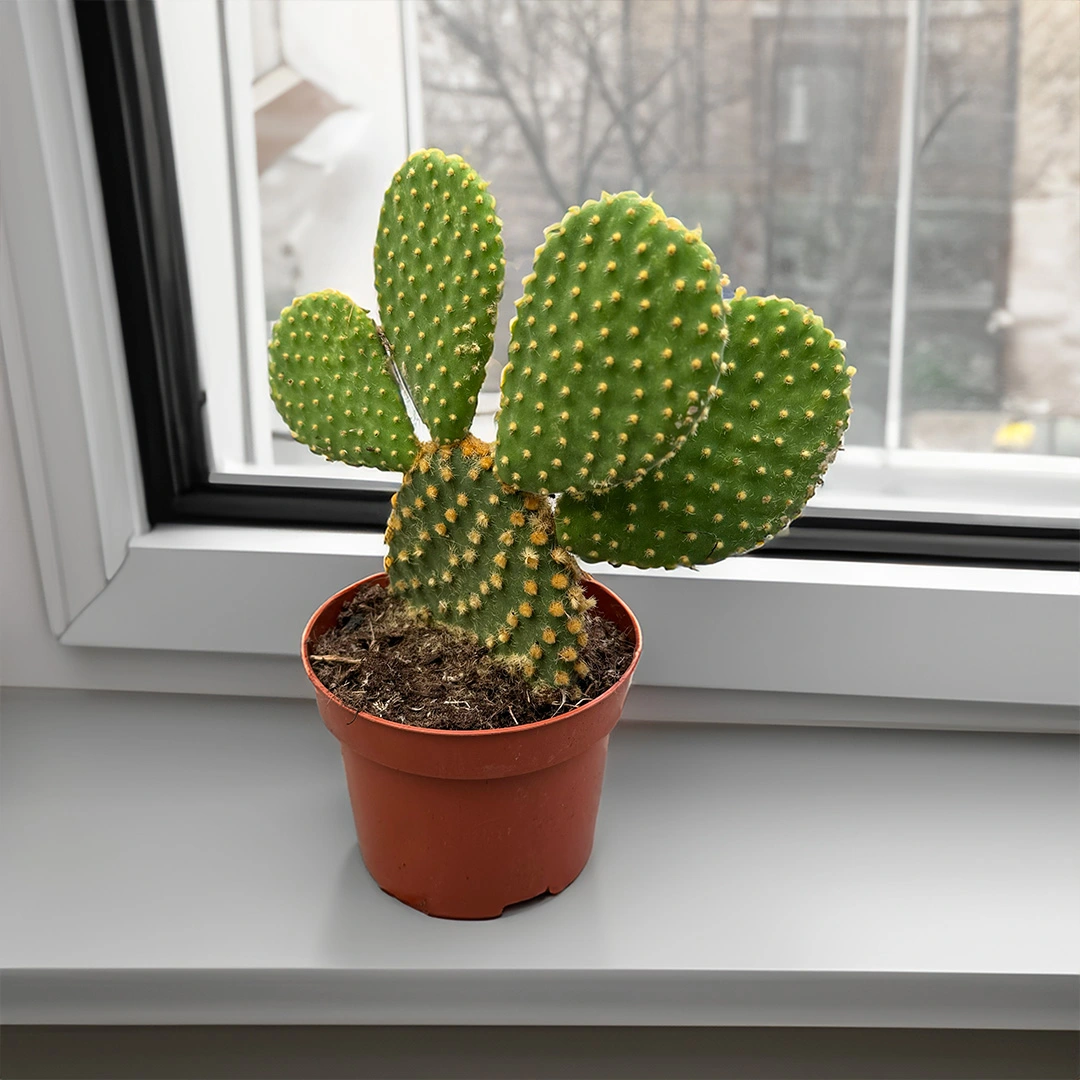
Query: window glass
{"x": 992, "y": 358}
{"x": 778, "y": 125}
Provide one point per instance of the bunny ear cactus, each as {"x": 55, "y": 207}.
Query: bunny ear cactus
{"x": 466, "y": 550}
{"x": 439, "y": 274}
{"x": 614, "y": 350}
{"x": 778, "y": 414}
{"x": 676, "y": 427}
{"x": 330, "y": 383}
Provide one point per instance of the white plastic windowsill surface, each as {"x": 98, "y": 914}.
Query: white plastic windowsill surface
{"x": 803, "y": 626}
{"x": 183, "y": 859}
{"x": 817, "y": 571}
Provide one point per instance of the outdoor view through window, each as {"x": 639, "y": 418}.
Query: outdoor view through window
{"x": 779, "y": 126}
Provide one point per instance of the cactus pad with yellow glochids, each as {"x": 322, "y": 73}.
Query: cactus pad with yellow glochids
{"x": 439, "y": 270}
{"x": 470, "y": 552}
{"x": 775, "y": 425}
{"x": 615, "y": 346}
{"x": 331, "y": 381}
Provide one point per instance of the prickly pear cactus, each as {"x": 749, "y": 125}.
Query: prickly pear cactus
{"x": 331, "y": 381}
{"x": 614, "y": 349}
{"x": 439, "y": 274}
{"x": 775, "y": 425}
{"x": 465, "y": 549}
{"x": 676, "y": 427}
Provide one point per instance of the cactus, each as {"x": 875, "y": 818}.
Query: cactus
{"x": 675, "y": 427}
{"x": 439, "y": 275}
{"x": 774, "y": 426}
{"x": 616, "y": 344}
{"x": 468, "y": 550}
{"x": 329, "y": 381}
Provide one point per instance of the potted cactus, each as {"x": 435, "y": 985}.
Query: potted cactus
{"x": 644, "y": 419}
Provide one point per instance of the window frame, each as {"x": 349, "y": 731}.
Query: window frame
{"x": 114, "y": 575}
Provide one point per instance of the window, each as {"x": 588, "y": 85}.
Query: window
{"x": 908, "y": 168}
{"x": 133, "y": 309}
{"x": 793, "y": 100}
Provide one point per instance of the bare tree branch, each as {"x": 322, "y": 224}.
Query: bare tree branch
{"x": 584, "y": 108}
{"x": 944, "y": 115}
{"x": 629, "y": 106}
{"x": 491, "y": 65}
{"x": 611, "y": 79}
{"x": 528, "y": 38}
{"x": 621, "y": 111}
{"x": 769, "y": 204}
{"x": 701, "y": 82}
{"x": 594, "y": 154}
{"x": 471, "y": 91}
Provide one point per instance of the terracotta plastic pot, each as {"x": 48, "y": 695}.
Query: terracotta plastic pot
{"x": 461, "y": 824}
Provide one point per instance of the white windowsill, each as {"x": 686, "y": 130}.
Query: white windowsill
{"x": 802, "y": 626}
{"x": 183, "y": 860}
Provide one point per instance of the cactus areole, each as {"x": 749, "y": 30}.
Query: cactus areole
{"x": 644, "y": 418}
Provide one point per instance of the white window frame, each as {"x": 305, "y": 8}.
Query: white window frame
{"x": 825, "y": 632}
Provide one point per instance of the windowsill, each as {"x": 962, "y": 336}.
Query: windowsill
{"x": 183, "y": 860}
{"x": 959, "y": 634}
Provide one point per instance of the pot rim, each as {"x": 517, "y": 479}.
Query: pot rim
{"x": 381, "y": 578}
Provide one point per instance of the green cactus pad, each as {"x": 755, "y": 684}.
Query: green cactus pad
{"x": 469, "y": 552}
{"x": 331, "y": 381}
{"x": 439, "y": 270}
{"x": 613, "y": 350}
{"x": 751, "y": 465}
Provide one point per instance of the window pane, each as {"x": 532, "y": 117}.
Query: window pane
{"x": 321, "y": 135}
{"x": 773, "y": 125}
{"x": 779, "y": 126}
{"x": 328, "y": 131}
{"x": 776, "y": 125}
{"x": 991, "y": 359}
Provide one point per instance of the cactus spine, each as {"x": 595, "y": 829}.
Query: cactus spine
{"x": 676, "y": 427}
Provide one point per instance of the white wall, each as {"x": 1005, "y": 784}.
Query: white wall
{"x": 31, "y": 656}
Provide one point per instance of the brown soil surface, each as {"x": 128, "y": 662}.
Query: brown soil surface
{"x": 380, "y": 660}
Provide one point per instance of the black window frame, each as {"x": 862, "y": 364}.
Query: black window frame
{"x": 129, "y": 113}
